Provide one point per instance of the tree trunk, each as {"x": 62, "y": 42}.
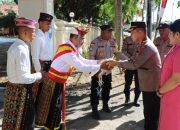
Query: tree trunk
{"x": 143, "y": 9}
{"x": 149, "y": 18}
{"x": 118, "y": 21}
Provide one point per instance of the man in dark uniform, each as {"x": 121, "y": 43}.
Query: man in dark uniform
{"x": 129, "y": 49}
{"x": 101, "y": 48}
{"x": 148, "y": 63}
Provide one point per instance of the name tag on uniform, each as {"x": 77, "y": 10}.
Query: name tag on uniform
{"x": 169, "y": 45}
{"x": 100, "y": 46}
{"x": 157, "y": 45}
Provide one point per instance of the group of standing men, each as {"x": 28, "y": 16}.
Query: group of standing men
{"x": 38, "y": 97}
{"x": 146, "y": 59}
{"x": 24, "y": 101}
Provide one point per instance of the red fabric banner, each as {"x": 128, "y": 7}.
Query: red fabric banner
{"x": 163, "y": 3}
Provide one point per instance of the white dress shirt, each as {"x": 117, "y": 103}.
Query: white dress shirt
{"x": 62, "y": 63}
{"x": 18, "y": 64}
{"x": 41, "y": 49}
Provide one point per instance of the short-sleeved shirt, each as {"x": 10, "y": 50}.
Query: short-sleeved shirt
{"x": 162, "y": 46}
{"x": 129, "y": 48}
{"x": 101, "y": 49}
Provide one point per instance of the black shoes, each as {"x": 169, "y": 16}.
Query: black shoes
{"x": 136, "y": 104}
{"x": 95, "y": 115}
{"x": 95, "y": 112}
{"x": 106, "y": 108}
{"x": 126, "y": 103}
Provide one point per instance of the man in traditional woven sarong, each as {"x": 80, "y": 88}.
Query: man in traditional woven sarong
{"x": 18, "y": 103}
{"x": 53, "y": 97}
{"x": 41, "y": 52}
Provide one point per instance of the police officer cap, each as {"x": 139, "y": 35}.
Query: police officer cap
{"x": 163, "y": 25}
{"x": 175, "y": 26}
{"x": 137, "y": 24}
{"x": 106, "y": 27}
{"x": 45, "y": 17}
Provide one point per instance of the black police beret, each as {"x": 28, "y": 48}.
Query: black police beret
{"x": 137, "y": 24}
{"x": 45, "y": 17}
{"x": 162, "y": 26}
{"x": 175, "y": 26}
{"x": 106, "y": 27}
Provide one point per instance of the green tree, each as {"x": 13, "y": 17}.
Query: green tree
{"x": 7, "y": 21}
{"x": 16, "y": 1}
{"x": 100, "y": 11}
{"x": 83, "y": 9}
{"x": 178, "y": 4}
{"x": 6, "y": 1}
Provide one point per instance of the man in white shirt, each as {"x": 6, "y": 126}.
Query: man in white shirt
{"x": 53, "y": 98}
{"x": 18, "y": 103}
{"x": 41, "y": 48}
{"x": 41, "y": 52}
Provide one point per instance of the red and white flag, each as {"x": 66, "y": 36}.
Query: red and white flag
{"x": 162, "y": 8}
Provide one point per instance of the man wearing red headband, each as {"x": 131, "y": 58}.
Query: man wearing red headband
{"x": 65, "y": 60}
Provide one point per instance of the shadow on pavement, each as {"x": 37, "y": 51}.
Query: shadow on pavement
{"x": 82, "y": 123}
{"x": 131, "y": 125}
{"x": 117, "y": 112}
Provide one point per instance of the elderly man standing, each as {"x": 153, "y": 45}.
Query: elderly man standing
{"x": 101, "y": 48}
{"x": 18, "y": 103}
{"x": 162, "y": 42}
{"x": 148, "y": 63}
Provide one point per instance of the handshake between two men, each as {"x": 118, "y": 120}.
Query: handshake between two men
{"x": 108, "y": 64}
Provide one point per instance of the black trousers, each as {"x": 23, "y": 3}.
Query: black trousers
{"x": 95, "y": 89}
{"x": 151, "y": 110}
{"x": 129, "y": 74}
{"x": 54, "y": 116}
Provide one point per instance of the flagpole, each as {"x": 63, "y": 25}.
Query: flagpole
{"x": 149, "y": 18}
{"x": 160, "y": 14}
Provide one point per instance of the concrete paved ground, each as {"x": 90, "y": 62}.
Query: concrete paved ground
{"x": 79, "y": 109}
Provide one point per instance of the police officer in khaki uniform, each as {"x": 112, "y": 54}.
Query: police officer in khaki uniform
{"x": 129, "y": 48}
{"x": 148, "y": 63}
{"x": 101, "y": 48}
{"x": 162, "y": 42}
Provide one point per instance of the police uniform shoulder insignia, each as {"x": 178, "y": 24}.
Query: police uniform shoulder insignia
{"x": 90, "y": 48}
{"x": 169, "y": 45}
{"x": 141, "y": 49}
{"x": 92, "y": 44}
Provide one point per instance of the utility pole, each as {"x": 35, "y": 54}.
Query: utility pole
{"x": 118, "y": 21}
{"x": 149, "y": 18}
